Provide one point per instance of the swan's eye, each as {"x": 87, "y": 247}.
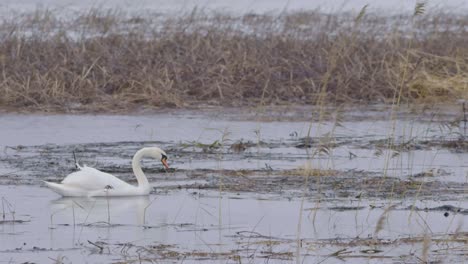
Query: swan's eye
{"x": 164, "y": 157}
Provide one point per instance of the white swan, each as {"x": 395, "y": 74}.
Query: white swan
{"x": 92, "y": 182}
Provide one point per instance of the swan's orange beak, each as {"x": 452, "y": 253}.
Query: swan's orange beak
{"x": 164, "y": 162}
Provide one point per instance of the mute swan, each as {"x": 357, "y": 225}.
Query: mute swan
{"x": 92, "y": 182}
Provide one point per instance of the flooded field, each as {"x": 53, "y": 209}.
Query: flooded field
{"x": 264, "y": 186}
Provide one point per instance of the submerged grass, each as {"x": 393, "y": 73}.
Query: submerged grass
{"x": 107, "y": 60}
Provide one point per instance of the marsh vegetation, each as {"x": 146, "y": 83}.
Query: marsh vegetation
{"x": 108, "y": 60}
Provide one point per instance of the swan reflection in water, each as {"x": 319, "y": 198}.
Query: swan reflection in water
{"x": 128, "y": 210}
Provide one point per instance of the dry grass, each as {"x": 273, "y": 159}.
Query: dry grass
{"x": 109, "y": 61}
{"x": 308, "y": 171}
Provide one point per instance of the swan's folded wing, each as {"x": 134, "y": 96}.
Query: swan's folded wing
{"x": 89, "y": 179}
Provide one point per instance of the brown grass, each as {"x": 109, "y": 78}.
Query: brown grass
{"x": 109, "y": 61}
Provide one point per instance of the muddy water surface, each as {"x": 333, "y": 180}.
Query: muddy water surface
{"x": 276, "y": 187}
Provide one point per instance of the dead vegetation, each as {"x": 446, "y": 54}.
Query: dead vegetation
{"x": 106, "y": 60}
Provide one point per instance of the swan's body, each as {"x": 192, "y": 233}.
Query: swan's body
{"x": 92, "y": 182}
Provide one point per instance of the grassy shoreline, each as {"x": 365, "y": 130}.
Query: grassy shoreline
{"x": 107, "y": 61}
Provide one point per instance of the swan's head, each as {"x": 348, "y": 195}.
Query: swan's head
{"x": 158, "y": 154}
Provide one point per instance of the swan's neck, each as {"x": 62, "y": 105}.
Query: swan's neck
{"x": 136, "y": 165}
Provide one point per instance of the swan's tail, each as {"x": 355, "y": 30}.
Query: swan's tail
{"x": 55, "y": 187}
{"x": 65, "y": 190}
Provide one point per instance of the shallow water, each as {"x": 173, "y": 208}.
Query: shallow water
{"x": 215, "y": 225}
{"x": 254, "y": 204}
{"x": 241, "y": 6}
{"x": 354, "y": 143}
